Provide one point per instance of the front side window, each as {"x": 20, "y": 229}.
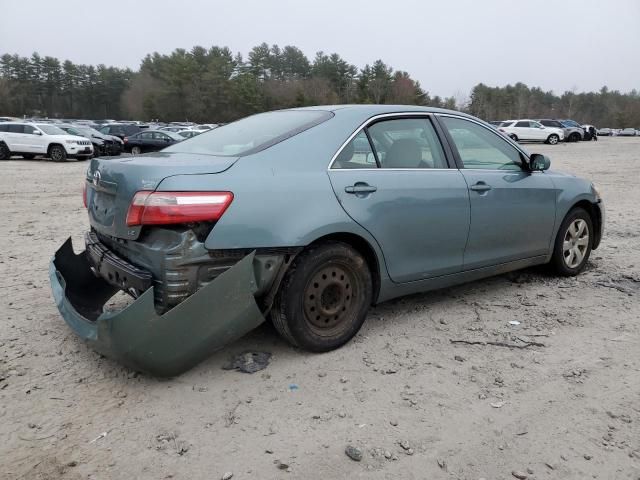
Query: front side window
{"x": 407, "y": 143}
{"x": 252, "y": 134}
{"x": 480, "y": 148}
{"x": 29, "y": 129}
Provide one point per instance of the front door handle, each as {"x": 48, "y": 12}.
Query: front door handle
{"x": 480, "y": 187}
{"x": 360, "y": 188}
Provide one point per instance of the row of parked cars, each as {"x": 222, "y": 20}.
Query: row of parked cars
{"x": 82, "y": 139}
{"x": 545, "y": 130}
{"x": 618, "y": 132}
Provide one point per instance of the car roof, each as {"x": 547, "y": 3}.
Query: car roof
{"x": 379, "y": 109}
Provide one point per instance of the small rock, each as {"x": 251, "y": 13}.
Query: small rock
{"x": 410, "y": 451}
{"x": 550, "y": 466}
{"x": 282, "y": 466}
{"x": 342, "y": 414}
{"x": 322, "y": 374}
{"x": 343, "y": 380}
{"x": 442, "y": 464}
{"x": 31, "y": 425}
{"x": 519, "y": 475}
{"x": 564, "y": 457}
{"x": 227, "y": 476}
{"x": 72, "y": 463}
{"x": 394, "y": 457}
{"x": 499, "y": 404}
{"x": 387, "y": 454}
{"x": 443, "y": 321}
{"x": 269, "y": 451}
{"x": 404, "y": 444}
{"x": 459, "y": 358}
{"x": 530, "y": 471}
{"x": 354, "y": 453}
{"x": 587, "y": 456}
{"x": 394, "y": 423}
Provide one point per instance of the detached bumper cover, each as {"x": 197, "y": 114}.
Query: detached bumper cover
{"x": 161, "y": 345}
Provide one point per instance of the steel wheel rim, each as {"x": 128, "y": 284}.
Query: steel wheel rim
{"x": 329, "y": 298}
{"x": 575, "y": 243}
{"x": 56, "y": 154}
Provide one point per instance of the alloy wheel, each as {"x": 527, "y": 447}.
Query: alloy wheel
{"x": 56, "y": 154}
{"x": 576, "y": 243}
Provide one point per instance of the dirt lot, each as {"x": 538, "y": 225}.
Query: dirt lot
{"x": 569, "y": 409}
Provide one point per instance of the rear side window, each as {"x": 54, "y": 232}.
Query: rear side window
{"x": 252, "y": 134}
{"x": 356, "y": 154}
{"x": 407, "y": 143}
{"x": 4, "y": 128}
{"x": 522, "y": 124}
{"x": 15, "y": 128}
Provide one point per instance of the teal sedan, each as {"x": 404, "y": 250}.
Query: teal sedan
{"x": 308, "y": 217}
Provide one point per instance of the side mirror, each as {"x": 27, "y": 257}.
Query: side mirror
{"x": 539, "y": 162}
{"x": 37, "y": 132}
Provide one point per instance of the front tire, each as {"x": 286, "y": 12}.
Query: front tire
{"x": 136, "y": 150}
{"x": 575, "y": 137}
{"x": 324, "y": 297}
{"x": 553, "y": 139}
{"x": 57, "y": 153}
{"x": 573, "y": 243}
{"x": 5, "y": 153}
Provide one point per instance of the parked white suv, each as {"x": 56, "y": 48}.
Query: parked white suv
{"x": 31, "y": 139}
{"x": 531, "y": 131}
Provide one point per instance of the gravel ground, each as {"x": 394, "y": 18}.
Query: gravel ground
{"x": 413, "y": 403}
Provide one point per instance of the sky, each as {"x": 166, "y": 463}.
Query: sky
{"x": 449, "y": 46}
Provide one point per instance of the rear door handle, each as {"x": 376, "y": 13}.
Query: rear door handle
{"x": 480, "y": 187}
{"x": 360, "y": 188}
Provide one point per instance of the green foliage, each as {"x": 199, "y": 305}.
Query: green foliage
{"x": 214, "y": 85}
{"x": 604, "y": 108}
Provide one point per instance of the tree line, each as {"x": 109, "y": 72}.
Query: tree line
{"x": 216, "y": 85}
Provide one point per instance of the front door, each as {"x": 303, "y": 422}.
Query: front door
{"x": 404, "y": 193}
{"x": 512, "y": 209}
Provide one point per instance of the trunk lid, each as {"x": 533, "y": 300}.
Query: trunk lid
{"x": 112, "y": 183}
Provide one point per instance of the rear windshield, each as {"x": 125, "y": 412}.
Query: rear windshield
{"x": 251, "y": 134}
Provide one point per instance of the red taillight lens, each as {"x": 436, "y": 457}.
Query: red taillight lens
{"x": 166, "y": 208}
{"x": 84, "y": 194}
{"x": 125, "y": 139}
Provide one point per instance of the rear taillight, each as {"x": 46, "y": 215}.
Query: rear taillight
{"x": 84, "y": 194}
{"x": 166, "y": 208}
{"x": 125, "y": 139}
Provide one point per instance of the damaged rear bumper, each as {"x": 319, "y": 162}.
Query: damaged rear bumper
{"x": 137, "y": 336}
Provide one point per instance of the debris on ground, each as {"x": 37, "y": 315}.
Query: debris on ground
{"x": 248, "y": 362}
{"x": 354, "y": 453}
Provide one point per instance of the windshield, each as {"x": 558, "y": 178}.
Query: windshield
{"x": 252, "y": 134}
{"x": 88, "y": 130}
{"x": 51, "y": 130}
{"x": 173, "y": 135}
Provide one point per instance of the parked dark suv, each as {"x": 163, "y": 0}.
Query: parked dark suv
{"x": 571, "y": 133}
{"x": 120, "y": 130}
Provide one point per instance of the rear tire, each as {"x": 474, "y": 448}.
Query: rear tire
{"x": 57, "y": 153}
{"x": 324, "y": 297}
{"x": 553, "y": 139}
{"x": 573, "y": 243}
{"x": 575, "y": 137}
{"x": 5, "y": 153}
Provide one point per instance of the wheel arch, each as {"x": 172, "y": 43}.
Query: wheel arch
{"x": 364, "y": 248}
{"x": 596, "y": 218}
{"x": 55, "y": 144}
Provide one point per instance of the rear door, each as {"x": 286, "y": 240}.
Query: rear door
{"x": 393, "y": 179}
{"x": 523, "y": 131}
{"x": 512, "y": 209}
